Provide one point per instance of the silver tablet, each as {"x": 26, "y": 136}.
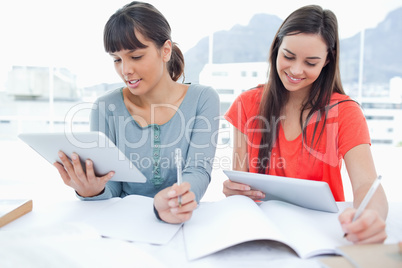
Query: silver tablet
{"x": 305, "y": 193}
{"x": 88, "y": 145}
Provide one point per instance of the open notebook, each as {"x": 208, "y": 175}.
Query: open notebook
{"x": 237, "y": 219}
{"x": 132, "y": 218}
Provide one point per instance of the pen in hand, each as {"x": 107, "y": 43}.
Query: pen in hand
{"x": 367, "y": 199}
{"x": 178, "y": 166}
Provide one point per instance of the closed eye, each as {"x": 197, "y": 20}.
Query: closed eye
{"x": 311, "y": 64}
{"x": 288, "y": 58}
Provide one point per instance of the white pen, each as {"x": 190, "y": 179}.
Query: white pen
{"x": 367, "y": 198}
{"x": 178, "y": 166}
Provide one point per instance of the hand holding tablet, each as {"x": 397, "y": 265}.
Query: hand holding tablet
{"x": 96, "y": 146}
{"x": 305, "y": 193}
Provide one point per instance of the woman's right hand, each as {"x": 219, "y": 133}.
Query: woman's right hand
{"x": 240, "y": 163}
{"x": 234, "y": 188}
{"x": 86, "y": 184}
{"x": 167, "y": 204}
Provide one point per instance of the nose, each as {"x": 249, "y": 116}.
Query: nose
{"x": 296, "y": 69}
{"x": 126, "y": 68}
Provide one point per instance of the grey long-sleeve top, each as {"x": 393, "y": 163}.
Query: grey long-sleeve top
{"x": 193, "y": 128}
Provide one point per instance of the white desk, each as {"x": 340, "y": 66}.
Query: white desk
{"x": 49, "y": 215}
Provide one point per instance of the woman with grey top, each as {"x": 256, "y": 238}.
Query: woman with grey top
{"x": 149, "y": 118}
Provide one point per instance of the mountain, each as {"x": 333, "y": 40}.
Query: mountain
{"x": 382, "y": 57}
{"x": 240, "y": 44}
{"x": 251, "y": 43}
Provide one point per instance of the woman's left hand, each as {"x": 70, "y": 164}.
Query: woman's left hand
{"x": 367, "y": 229}
{"x": 166, "y": 202}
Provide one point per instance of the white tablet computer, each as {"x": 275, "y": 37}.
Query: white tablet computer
{"x": 88, "y": 145}
{"x": 305, "y": 193}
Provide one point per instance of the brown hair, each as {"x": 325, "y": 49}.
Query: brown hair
{"x": 119, "y": 33}
{"x": 310, "y": 19}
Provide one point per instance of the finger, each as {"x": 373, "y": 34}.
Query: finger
{"x": 186, "y": 198}
{"x": 253, "y": 194}
{"x": 372, "y": 239}
{"x": 64, "y": 160}
{"x": 372, "y": 235}
{"x": 368, "y": 227}
{"x": 182, "y": 188}
{"x": 375, "y": 233}
{"x": 176, "y": 190}
{"x": 63, "y": 173}
{"x": 89, "y": 168}
{"x": 107, "y": 177}
{"x": 235, "y": 186}
{"x": 364, "y": 222}
{"x": 347, "y": 215}
{"x": 67, "y": 166}
{"x": 188, "y": 207}
{"x": 79, "y": 171}
{"x": 91, "y": 176}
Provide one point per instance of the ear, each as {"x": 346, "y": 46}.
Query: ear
{"x": 167, "y": 50}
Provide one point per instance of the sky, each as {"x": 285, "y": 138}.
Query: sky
{"x": 69, "y": 33}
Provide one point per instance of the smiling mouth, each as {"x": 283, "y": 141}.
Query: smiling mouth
{"x": 132, "y": 82}
{"x": 294, "y": 79}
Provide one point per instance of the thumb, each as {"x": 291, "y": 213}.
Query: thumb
{"x": 107, "y": 177}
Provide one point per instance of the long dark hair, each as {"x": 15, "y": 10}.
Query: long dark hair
{"x": 119, "y": 33}
{"x": 310, "y": 19}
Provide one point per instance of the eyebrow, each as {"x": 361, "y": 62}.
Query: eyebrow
{"x": 310, "y": 58}
{"x": 130, "y": 51}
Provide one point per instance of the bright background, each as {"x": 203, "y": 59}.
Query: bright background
{"x": 69, "y": 34}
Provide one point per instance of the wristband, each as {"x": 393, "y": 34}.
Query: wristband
{"x": 157, "y": 214}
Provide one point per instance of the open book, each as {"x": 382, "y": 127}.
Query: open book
{"x": 132, "y": 218}
{"x": 237, "y": 219}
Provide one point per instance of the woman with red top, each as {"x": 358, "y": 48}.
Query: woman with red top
{"x": 301, "y": 124}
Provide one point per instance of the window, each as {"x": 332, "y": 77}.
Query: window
{"x": 54, "y": 67}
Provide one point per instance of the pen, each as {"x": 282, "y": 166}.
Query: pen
{"x": 178, "y": 166}
{"x": 367, "y": 198}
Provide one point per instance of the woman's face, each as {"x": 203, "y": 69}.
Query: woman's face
{"x": 300, "y": 60}
{"x": 143, "y": 69}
